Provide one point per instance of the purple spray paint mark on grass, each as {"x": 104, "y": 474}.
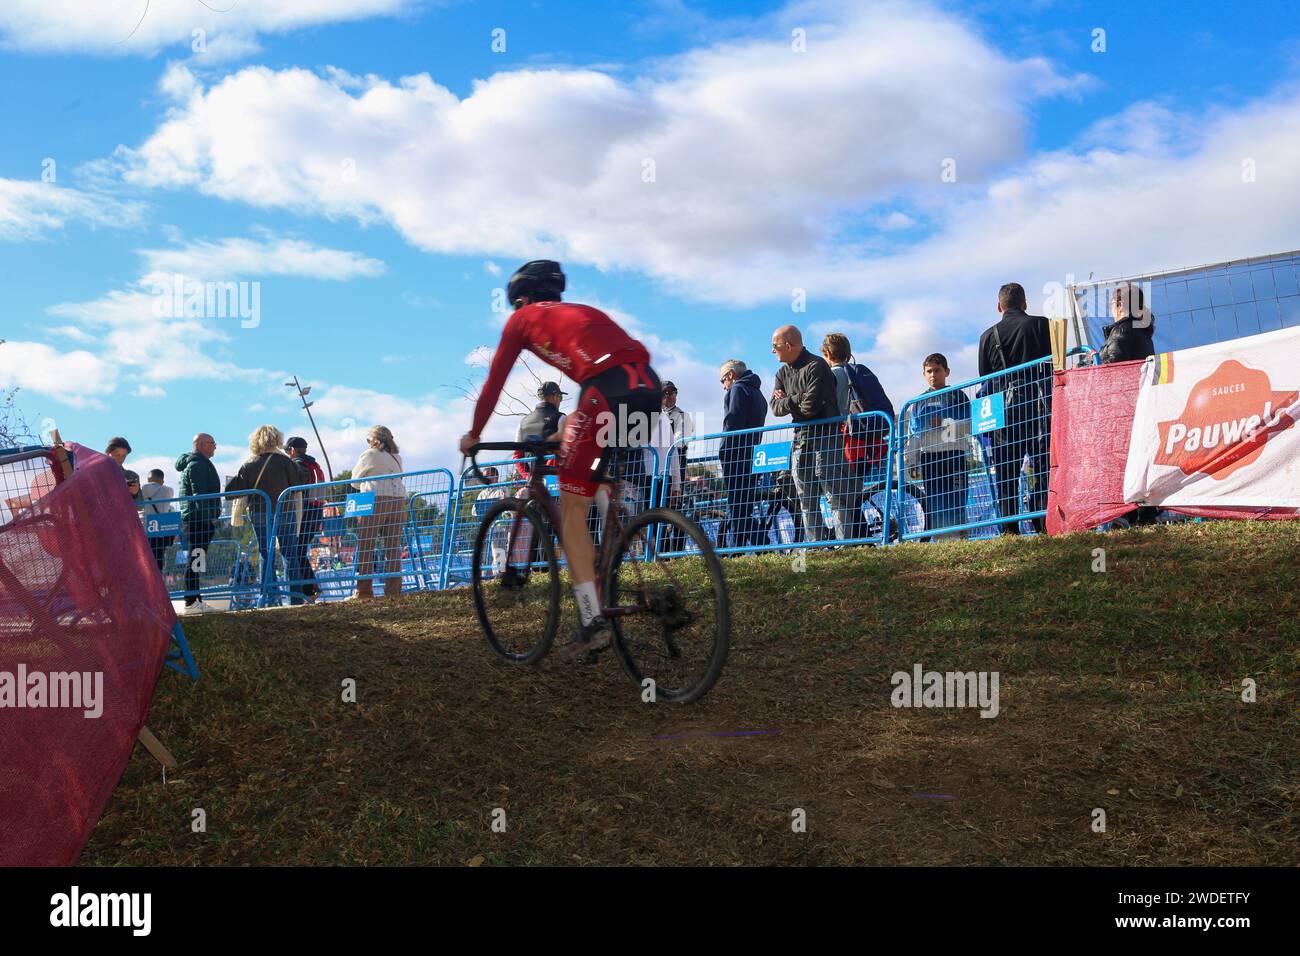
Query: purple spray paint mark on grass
{"x": 715, "y": 733}
{"x": 935, "y": 796}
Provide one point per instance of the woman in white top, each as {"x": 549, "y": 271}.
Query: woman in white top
{"x": 382, "y": 528}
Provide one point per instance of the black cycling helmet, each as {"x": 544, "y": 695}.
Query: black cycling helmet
{"x": 540, "y": 280}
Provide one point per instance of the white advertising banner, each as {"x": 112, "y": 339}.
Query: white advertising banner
{"x": 1215, "y": 426}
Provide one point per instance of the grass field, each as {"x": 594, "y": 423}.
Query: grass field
{"x": 1119, "y": 690}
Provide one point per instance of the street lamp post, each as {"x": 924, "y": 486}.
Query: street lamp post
{"x": 306, "y": 406}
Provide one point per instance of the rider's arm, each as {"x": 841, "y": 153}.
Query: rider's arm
{"x": 503, "y": 361}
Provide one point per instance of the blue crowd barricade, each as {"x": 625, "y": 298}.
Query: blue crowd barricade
{"x": 336, "y": 539}
{"x": 199, "y": 551}
{"x": 637, "y": 467}
{"x": 471, "y": 502}
{"x": 814, "y": 484}
{"x": 975, "y": 455}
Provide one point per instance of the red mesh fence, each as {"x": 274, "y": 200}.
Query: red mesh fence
{"x": 1092, "y": 418}
{"x": 85, "y": 622}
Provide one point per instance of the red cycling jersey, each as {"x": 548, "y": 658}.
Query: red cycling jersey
{"x": 580, "y": 341}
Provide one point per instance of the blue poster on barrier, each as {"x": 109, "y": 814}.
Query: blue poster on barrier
{"x": 774, "y": 456}
{"x": 552, "y": 484}
{"x": 165, "y": 525}
{"x": 987, "y": 414}
{"x": 359, "y": 505}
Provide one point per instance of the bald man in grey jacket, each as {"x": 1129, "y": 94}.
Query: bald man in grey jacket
{"x": 805, "y": 390}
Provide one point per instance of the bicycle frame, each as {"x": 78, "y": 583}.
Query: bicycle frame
{"x": 535, "y": 490}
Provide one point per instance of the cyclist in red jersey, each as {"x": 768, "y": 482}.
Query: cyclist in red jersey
{"x": 619, "y": 394}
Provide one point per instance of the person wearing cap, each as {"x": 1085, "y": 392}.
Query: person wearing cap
{"x": 543, "y": 423}
{"x": 312, "y": 513}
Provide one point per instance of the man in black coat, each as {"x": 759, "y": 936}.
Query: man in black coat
{"x": 743, "y": 408}
{"x": 1016, "y": 339}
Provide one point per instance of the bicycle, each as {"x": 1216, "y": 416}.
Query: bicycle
{"x": 671, "y": 625}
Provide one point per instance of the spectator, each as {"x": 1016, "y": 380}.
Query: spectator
{"x": 1132, "y": 336}
{"x": 383, "y": 526}
{"x": 672, "y": 459}
{"x": 1016, "y": 339}
{"x": 151, "y": 491}
{"x": 118, "y": 448}
{"x": 543, "y": 423}
{"x": 805, "y": 390}
{"x": 198, "y": 518}
{"x": 500, "y": 533}
{"x": 743, "y": 408}
{"x": 938, "y": 445}
{"x": 133, "y": 486}
{"x": 271, "y": 471}
{"x": 313, "y": 510}
{"x": 865, "y": 440}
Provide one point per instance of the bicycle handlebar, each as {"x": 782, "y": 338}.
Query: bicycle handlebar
{"x": 536, "y": 448}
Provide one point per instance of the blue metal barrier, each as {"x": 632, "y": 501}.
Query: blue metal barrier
{"x": 976, "y": 454}
{"x": 408, "y": 529}
{"x": 223, "y": 574}
{"x": 640, "y": 486}
{"x": 738, "y": 483}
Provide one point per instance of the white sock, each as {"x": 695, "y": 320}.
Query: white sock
{"x": 588, "y": 602}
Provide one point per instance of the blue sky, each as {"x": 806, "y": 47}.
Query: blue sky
{"x": 775, "y": 170}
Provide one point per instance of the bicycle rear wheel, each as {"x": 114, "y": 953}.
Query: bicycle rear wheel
{"x": 672, "y": 620}
{"x": 516, "y": 581}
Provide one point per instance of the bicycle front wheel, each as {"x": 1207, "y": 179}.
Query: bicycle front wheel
{"x": 516, "y": 581}
{"x": 672, "y": 619}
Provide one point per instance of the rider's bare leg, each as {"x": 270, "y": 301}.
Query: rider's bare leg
{"x": 578, "y": 547}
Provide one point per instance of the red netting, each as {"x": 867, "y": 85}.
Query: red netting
{"x": 80, "y": 594}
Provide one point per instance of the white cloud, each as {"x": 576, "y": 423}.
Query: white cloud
{"x": 76, "y": 378}
{"x": 147, "y": 26}
{"x": 770, "y": 171}
{"x": 144, "y": 390}
{"x": 235, "y": 257}
{"x": 491, "y": 268}
{"x": 744, "y": 167}
{"x": 30, "y": 209}
{"x": 140, "y": 328}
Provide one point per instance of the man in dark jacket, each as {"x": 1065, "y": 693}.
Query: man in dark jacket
{"x": 1016, "y": 339}
{"x": 743, "y": 407}
{"x": 198, "y": 518}
{"x": 805, "y": 390}
{"x": 1132, "y": 337}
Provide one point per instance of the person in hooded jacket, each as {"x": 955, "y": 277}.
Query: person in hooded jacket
{"x": 1132, "y": 336}
{"x": 198, "y": 518}
{"x": 743, "y": 407}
